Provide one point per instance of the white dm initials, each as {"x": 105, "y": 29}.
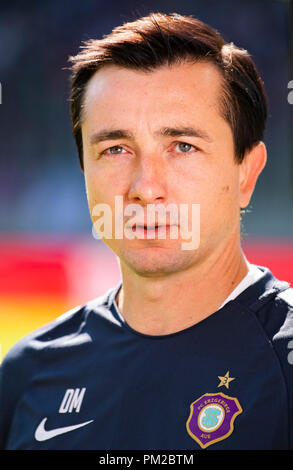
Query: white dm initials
{"x": 72, "y": 399}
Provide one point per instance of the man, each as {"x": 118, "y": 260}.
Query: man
{"x": 190, "y": 350}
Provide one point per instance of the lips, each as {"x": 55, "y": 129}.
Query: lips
{"x": 132, "y": 224}
{"x": 149, "y": 227}
{"x": 156, "y": 230}
{"x": 146, "y": 232}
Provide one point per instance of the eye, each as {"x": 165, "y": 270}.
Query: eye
{"x": 115, "y": 150}
{"x": 184, "y": 147}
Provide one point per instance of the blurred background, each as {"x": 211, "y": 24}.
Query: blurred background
{"x": 49, "y": 259}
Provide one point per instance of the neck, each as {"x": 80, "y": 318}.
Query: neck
{"x": 165, "y": 305}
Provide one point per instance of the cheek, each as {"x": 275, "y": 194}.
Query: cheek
{"x": 102, "y": 188}
{"x": 227, "y": 210}
{"x": 98, "y": 185}
{"x": 95, "y": 191}
{"x": 219, "y": 207}
{"x": 227, "y": 197}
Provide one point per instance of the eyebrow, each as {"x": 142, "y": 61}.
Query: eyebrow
{"x": 114, "y": 134}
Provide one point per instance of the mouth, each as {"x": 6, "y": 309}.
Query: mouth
{"x": 149, "y": 227}
{"x": 157, "y": 230}
{"x": 153, "y": 232}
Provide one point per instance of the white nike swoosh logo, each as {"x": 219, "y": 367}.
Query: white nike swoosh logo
{"x": 42, "y": 434}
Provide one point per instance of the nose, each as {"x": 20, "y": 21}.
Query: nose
{"x": 149, "y": 183}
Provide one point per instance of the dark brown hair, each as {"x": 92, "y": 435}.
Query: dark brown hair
{"x": 159, "y": 39}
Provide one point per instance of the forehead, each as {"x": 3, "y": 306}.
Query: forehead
{"x": 175, "y": 88}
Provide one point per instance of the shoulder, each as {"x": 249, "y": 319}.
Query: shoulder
{"x": 22, "y": 363}
{"x": 24, "y": 357}
{"x": 277, "y": 319}
{"x": 286, "y": 296}
{"x": 272, "y": 302}
{"x": 284, "y": 306}
{"x": 274, "y": 312}
{"x": 53, "y": 335}
{"x": 44, "y": 350}
{"x": 282, "y": 342}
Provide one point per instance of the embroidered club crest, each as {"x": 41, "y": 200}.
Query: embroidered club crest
{"x": 212, "y": 418}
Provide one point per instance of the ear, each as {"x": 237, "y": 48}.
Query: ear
{"x": 252, "y": 165}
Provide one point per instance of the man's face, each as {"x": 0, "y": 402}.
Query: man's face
{"x": 150, "y": 166}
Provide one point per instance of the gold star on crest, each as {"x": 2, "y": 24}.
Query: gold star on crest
{"x": 225, "y": 380}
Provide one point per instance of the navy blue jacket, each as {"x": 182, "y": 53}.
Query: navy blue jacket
{"x": 89, "y": 381}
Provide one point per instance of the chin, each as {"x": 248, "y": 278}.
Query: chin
{"x": 156, "y": 262}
